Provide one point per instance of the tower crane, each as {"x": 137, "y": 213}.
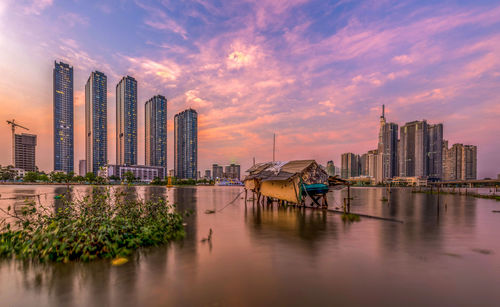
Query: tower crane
{"x": 13, "y": 125}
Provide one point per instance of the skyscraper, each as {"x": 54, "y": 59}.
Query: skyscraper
{"x": 96, "y": 139}
{"x": 388, "y": 147}
{"x": 435, "y": 151}
{"x": 330, "y": 168}
{"x": 25, "y": 158}
{"x": 126, "y": 121}
{"x": 459, "y": 162}
{"x": 217, "y": 171}
{"x": 186, "y": 144}
{"x": 156, "y": 131}
{"x": 413, "y": 149}
{"x": 350, "y": 165}
{"x": 63, "y": 117}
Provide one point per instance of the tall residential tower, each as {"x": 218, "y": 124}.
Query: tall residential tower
{"x": 96, "y": 140}
{"x": 388, "y": 148}
{"x": 126, "y": 121}
{"x": 156, "y": 131}
{"x": 63, "y": 117}
{"x": 186, "y": 144}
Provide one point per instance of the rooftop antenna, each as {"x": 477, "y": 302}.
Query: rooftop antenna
{"x": 253, "y": 160}
{"x": 13, "y": 125}
{"x": 274, "y": 146}
{"x": 383, "y": 110}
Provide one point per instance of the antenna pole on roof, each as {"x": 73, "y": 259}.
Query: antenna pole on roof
{"x": 254, "y": 161}
{"x": 274, "y": 146}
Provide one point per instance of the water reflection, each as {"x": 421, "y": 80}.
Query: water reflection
{"x": 287, "y": 256}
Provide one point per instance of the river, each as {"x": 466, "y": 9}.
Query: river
{"x": 269, "y": 256}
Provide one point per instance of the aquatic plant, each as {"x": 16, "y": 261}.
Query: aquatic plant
{"x": 350, "y": 217}
{"x": 101, "y": 225}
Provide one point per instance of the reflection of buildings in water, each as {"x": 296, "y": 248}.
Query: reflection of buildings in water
{"x": 153, "y": 193}
{"x": 185, "y": 201}
{"x": 63, "y": 195}
{"x": 424, "y": 226}
{"x": 125, "y": 193}
{"x": 311, "y": 226}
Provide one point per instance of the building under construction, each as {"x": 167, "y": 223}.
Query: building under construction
{"x": 24, "y": 149}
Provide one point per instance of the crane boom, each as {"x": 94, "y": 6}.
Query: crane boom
{"x": 13, "y": 125}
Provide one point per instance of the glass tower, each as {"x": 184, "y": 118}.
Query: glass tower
{"x": 63, "y": 117}
{"x": 156, "y": 131}
{"x": 96, "y": 141}
{"x": 186, "y": 144}
{"x": 126, "y": 121}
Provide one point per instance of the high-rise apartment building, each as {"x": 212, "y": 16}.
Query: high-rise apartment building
{"x": 186, "y": 144}
{"x": 435, "y": 151}
{"x": 413, "y": 149}
{"x": 388, "y": 147}
{"x": 96, "y": 139}
{"x": 217, "y": 171}
{"x": 156, "y": 131}
{"x": 25, "y": 158}
{"x": 82, "y": 168}
{"x": 349, "y": 165}
{"x": 459, "y": 162}
{"x": 63, "y": 117}
{"x": 126, "y": 121}
{"x": 233, "y": 171}
{"x": 330, "y": 168}
{"x": 208, "y": 174}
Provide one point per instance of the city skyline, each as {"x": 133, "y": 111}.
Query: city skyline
{"x": 318, "y": 89}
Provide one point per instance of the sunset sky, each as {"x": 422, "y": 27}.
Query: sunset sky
{"x": 314, "y": 72}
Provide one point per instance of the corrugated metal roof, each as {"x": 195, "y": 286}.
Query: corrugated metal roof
{"x": 281, "y": 176}
{"x": 297, "y": 166}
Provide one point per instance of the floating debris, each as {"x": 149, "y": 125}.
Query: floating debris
{"x": 209, "y": 239}
{"x": 209, "y": 211}
{"x": 482, "y": 251}
{"x": 119, "y": 261}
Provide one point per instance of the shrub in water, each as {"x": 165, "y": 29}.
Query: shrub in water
{"x": 101, "y": 225}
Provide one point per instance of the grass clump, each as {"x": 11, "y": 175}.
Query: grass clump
{"x": 350, "y": 217}
{"x": 101, "y": 225}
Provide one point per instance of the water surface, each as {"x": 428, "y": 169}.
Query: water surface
{"x": 261, "y": 255}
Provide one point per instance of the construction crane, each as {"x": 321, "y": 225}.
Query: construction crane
{"x": 13, "y": 125}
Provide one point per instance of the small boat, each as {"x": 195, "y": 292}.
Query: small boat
{"x": 316, "y": 188}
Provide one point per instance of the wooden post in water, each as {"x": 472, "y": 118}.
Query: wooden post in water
{"x": 438, "y": 200}
{"x": 349, "y": 197}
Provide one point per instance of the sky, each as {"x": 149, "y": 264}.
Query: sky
{"x": 314, "y": 72}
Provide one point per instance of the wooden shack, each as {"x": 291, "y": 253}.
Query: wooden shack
{"x": 285, "y": 181}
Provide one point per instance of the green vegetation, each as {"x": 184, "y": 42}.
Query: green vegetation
{"x": 100, "y": 225}
{"x": 350, "y": 217}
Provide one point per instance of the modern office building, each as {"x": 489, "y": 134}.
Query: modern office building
{"x": 208, "y": 175}
{"x": 82, "y": 168}
{"x": 25, "y": 145}
{"x": 63, "y": 117}
{"x": 388, "y": 147}
{"x": 413, "y": 149}
{"x": 156, "y": 131}
{"x": 217, "y": 171}
{"x": 186, "y": 144}
{"x": 96, "y": 103}
{"x": 142, "y": 172}
{"x": 459, "y": 162}
{"x": 126, "y": 121}
{"x": 435, "y": 152}
{"x": 350, "y": 165}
